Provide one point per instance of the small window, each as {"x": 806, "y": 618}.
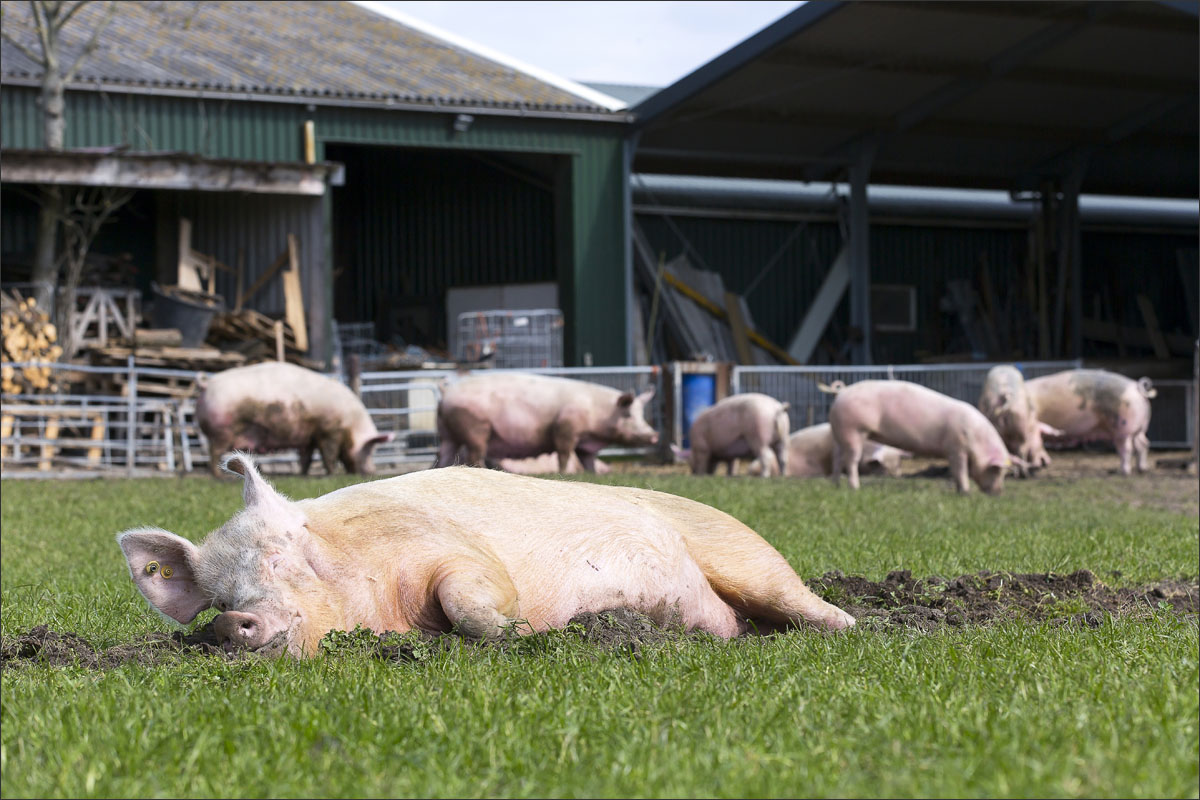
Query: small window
{"x": 894, "y": 308}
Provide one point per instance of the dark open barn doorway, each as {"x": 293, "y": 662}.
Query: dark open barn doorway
{"x": 410, "y": 225}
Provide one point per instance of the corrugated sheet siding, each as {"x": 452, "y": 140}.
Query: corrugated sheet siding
{"x": 18, "y": 221}
{"x": 414, "y": 223}
{"x": 924, "y": 257}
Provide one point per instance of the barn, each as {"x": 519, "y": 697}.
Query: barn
{"x": 416, "y": 166}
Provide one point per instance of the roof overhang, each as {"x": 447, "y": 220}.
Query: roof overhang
{"x": 986, "y": 95}
{"x": 179, "y": 171}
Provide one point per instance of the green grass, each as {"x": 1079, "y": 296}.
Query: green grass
{"x": 1013, "y": 709}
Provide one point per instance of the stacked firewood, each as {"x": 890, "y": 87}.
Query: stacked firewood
{"x": 29, "y": 337}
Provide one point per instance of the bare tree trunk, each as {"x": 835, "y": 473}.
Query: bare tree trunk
{"x": 45, "y": 266}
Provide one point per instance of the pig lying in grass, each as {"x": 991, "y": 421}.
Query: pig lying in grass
{"x": 810, "y": 455}
{"x": 921, "y": 421}
{"x": 1097, "y": 405}
{"x": 274, "y": 406}
{"x": 519, "y": 415}
{"x": 465, "y": 549}
{"x": 748, "y": 426}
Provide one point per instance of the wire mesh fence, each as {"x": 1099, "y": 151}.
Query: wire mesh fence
{"x": 512, "y": 339}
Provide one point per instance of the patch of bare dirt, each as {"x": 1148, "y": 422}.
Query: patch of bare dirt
{"x": 898, "y": 601}
{"x": 986, "y": 597}
{"x": 44, "y": 646}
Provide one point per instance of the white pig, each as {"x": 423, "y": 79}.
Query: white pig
{"x": 1006, "y": 402}
{"x": 750, "y": 426}
{"x": 1093, "y": 404}
{"x": 921, "y": 421}
{"x": 473, "y": 550}
{"x": 522, "y": 415}
{"x": 810, "y": 455}
{"x": 274, "y": 405}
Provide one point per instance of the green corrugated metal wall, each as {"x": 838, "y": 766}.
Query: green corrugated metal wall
{"x": 591, "y": 287}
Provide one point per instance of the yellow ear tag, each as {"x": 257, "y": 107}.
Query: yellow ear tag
{"x": 152, "y": 568}
{"x": 167, "y": 572}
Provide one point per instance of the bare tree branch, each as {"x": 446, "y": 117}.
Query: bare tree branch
{"x": 70, "y": 12}
{"x": 42, "y": 26}
{"x": 32, "y": 56}
{"x": 69, "y": 75}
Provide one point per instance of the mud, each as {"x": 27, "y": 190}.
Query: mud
{"x": 1078, "y": 599}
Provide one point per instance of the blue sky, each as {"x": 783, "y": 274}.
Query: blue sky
{"x": 644, "y": 42}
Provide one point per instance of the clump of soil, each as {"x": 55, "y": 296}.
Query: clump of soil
{"x": 926, "y": 603}
{"x": 898, "y": 601}
{"x": 44, "y": 646}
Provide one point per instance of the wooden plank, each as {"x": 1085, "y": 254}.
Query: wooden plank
{"x": 279, "y": 340}
{"x": 48, "y": 450}
{"x": 294, "y": 296}
{"x": 1151, "y": 319}
{"x": 737, "y": 325}
{"x": 187, "y": 276}
{"x": 6, "y": 429}
{"x": 261, "y": 281}
{"x": 93, "y": 453}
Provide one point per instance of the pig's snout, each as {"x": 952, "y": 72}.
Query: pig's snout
{"x": 238, "y": 630}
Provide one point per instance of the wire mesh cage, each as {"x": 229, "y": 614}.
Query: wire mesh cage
{"x": 514, "y": 339}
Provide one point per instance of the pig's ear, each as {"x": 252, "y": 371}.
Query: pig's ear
{"x": 646, "y": 395}
{"x": 625, "y": 400}
{"x": 255, "y": 490}
{"x": 378, "y": 439}
{"x": 161, "y": 564}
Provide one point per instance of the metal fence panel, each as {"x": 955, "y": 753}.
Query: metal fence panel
{"x": 810, "y": 406}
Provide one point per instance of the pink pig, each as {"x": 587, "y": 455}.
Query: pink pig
{"x": 1005, "y": 401}
{"x": 1093, "y": 404}
{"x": 810, "y": 454}
{"x": 521, "y": 415}
{"x": 749, "y": 426}
{"x": 921, "y": 421}
{"x": 278, "y": 406}
{"x": 472, "y": 550}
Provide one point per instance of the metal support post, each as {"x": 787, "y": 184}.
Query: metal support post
{"x": 130, "y": 418}
{"x": 860, "y": 255}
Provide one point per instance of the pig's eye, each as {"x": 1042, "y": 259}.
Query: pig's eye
{"x": 222, "y": 606}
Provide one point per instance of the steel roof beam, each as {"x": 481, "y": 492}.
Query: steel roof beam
{"x": 1062, "y": 163}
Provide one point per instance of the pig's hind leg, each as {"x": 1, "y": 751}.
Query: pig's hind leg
{"x": 761, "y": 587}
{"x": 479, "y": 599}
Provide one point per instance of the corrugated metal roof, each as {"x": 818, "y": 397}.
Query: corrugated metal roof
{"x": 303, "y": 49}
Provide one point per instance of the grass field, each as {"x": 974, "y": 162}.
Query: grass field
{"x": 1018, "y": 707}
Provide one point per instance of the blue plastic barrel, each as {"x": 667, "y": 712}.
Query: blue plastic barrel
{"x": 699, "y": 392}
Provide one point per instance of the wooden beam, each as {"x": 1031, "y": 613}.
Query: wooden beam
{"x": 1151, "y": 319}
{"x": 262, "y": 280}
{"x": 718, "y": 312}
{"x": 293, "y": 296}
{"x": 737, "y": 326}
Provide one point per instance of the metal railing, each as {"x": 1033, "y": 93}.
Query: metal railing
{"x": 138, "y": 433}
{"x": 1172, "y": 412}
{"x": 405, "y": 402}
